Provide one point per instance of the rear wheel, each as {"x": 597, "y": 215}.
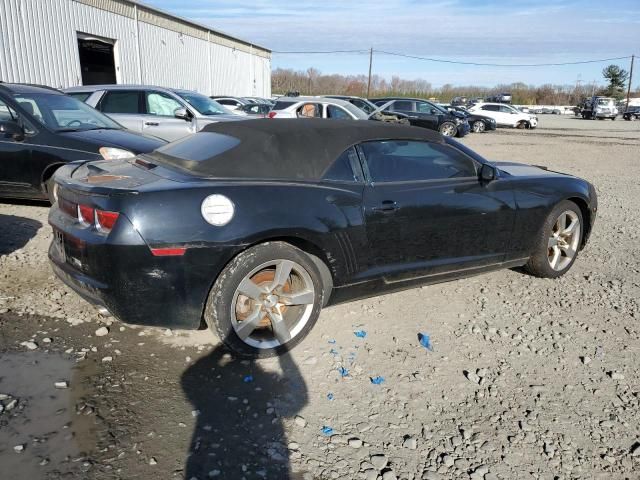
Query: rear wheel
{"x": 558, "y": 243}
{"x": 478, "y": 126}
{"x": 448, "y": 129}
{"x": 266, "y": 300}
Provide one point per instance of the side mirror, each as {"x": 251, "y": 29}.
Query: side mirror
{"x": 434, "y": 111}
{"x": 11, "y": 130}
{"x": 181, "y": 113}
{"x": 487, "y": 173}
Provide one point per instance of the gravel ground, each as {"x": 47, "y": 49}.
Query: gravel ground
{"x": 528, "y": 378}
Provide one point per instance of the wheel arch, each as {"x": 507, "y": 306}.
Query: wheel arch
{"x": 586, "y": 217}
{"x": 48, "y": 173}
{"x": 315, "y": 252}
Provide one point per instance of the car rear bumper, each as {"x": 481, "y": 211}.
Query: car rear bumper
{"x": 128, "y": 280}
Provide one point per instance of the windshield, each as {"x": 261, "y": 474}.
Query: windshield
{"x": 203, "y": 104}
{"x": 359, "y": 114}
{"x": 63, "y": 113}
{"x": 605, "y": 101}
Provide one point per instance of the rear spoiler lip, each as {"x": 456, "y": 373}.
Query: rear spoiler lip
{"x": 63, "y": 177}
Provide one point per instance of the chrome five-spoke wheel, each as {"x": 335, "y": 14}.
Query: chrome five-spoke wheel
{"x": 564, "y": 241}
{"x": 478, "y": 126}
{"x": 272, "y": 304}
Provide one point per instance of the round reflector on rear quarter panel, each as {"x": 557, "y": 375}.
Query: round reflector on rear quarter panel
{"x": 217, "y": 210}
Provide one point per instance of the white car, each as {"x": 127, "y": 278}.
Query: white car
{"x": 505, "y": 115}
{"x": 316, "y": 107}
{"x": 234, "y": 104}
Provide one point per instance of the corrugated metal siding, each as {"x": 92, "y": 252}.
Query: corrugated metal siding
{"x": 39, "y": 45}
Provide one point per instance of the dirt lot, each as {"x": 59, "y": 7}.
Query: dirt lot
{"x": 528, "y": 378}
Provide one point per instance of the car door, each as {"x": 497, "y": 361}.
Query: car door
{"x": 509, "y": 115}
{"x": 427, "y": 211}
{"x": 125, "y": 107}
{"x": 160, "y": 119}
{"x": 15, "y": 155}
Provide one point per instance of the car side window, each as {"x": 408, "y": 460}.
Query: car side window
{"x": 490, "y": 108}
{"x": 117, "y": 101}
{"x": 345, "y": 168}
{"x": 6, "y": 113}
{"x": 401, "y": 161}
{"x": 310, "y": 110}
{"x": 337, "y": 113}
{"x": 161, "y": 104}
{"x": 402, "y": 106}
{"x": 505, "y": 109}
{"x": 423, "y": 107}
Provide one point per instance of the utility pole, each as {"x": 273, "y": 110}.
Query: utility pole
{"x": 630, "y": 78}
{"x": 370, "y": 62}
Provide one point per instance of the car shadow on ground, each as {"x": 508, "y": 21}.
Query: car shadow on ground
{"x": 15, "y": 232}
{"x": 240, "y": 408}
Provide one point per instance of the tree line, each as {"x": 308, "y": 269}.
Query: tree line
{"x": 313, "y": 82}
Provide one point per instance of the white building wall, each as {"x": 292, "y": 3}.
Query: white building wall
{"x": 38, "y": 44}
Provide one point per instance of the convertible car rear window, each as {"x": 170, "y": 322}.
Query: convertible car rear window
{"x": 197, "y": 148}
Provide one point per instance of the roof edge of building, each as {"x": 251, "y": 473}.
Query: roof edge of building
{"x": 119, "y": 7}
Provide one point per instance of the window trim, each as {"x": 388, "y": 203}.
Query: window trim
{"x": 369, "y": 179}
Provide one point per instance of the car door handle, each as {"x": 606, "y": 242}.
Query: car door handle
{"x": 386, "y": 207}
{"x": 152, "y": 124}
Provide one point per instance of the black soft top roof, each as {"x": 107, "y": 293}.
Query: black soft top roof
{"x": 295, "y": 149}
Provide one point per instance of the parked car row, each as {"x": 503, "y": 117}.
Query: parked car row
{"x": 41, "y": 128}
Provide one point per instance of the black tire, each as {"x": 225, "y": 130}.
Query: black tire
{"x": 448, "y": 129}
{"x": 521, "y": 125}
{"x": 218, "y": 311}
{"x": 613, "y": 118}
{"x": 478, "y": 126}
{"x": 538, "y": 264}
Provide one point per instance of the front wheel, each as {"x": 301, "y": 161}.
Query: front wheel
{"x": 266, "y": 300}
{"x": 478, "y": 126}
{"x": 558, "y": 243}
{"x": 448, "y": 129}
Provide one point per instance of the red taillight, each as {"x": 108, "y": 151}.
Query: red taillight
{"x": 272, "y": 114}
{"x": 168, "y": 252}
{"x": 106, "y": 220}
{"x": 85, "y": 214}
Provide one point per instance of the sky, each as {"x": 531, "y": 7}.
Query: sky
{"x": 513, "y": 32}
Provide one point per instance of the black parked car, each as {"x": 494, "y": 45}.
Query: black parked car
{"x": 422, "y": 113}
{"x": 252, "y": 227}
{"x": 42, "y": 128}
{"x": 631, "y": 113}
{"x": 478, "y": 123}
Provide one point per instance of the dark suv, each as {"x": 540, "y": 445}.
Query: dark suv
{"x": 422, "y": 113}
{"x": 41, "y": 129}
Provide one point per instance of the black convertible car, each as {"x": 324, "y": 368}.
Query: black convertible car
{"x": 251, "y": 227}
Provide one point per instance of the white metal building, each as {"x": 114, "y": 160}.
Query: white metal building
{"x": 63, "y": 43}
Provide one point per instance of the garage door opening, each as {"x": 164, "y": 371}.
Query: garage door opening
{"x": 97, "y": 61}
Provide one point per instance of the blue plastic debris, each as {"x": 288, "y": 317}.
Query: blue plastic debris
{"x": 360, "y": 333}
{"x": 425, "y": 341}
{"x": 328, "y": 431}
{"x": 377, "y": 380}
{"x": 343, "y": 371}
{"x": 248, "y": 379}
{"x": 332, "y": 341}
{"x": 329, "y": 396}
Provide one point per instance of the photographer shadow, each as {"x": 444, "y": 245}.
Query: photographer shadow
{"x": 240, "y": 408}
